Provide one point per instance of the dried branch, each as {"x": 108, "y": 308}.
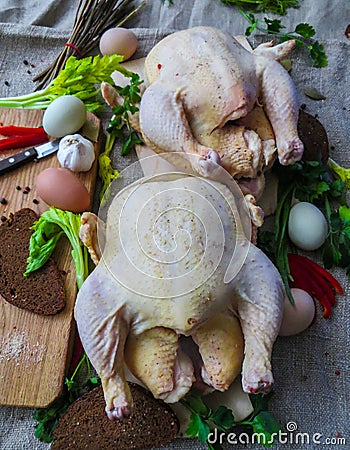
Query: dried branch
{"x": 93, "y": 18}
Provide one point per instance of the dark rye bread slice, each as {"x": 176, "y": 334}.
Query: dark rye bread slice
{"x": 314, "y": 137}
{"x": 41, "y": 292}
{"x": 85, "y": 424}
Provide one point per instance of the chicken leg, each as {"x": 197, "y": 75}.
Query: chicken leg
{"x": 280, "y": 103}
{"x": 103, "y": 332}
{"x": 259, "y": 303}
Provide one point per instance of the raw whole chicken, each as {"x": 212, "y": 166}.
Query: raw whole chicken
{"x": 206, "y": 93}
{"x": 177, "y": 265}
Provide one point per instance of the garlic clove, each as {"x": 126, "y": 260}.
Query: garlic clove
{"x": 76, "y": 153}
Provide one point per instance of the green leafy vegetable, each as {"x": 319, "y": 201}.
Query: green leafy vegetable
{"x": 337, "y": 247}
{"x": 311, "y": 182}
{"x": 202, "y": 417}
{"x": 262, "y": 421}
{"x": 273, "y": 26}
{"x": 302, "y": 34}
{"x": 284, "y": 205}
{"x": 266, "y": 426}
{"x": 318, "y": 55}
{"x": 120, "y": 128}
{"x": 203, "y": 420}
{"x": 274, "y": 6}
{"x": 305, "y": 30}
{"x": 105, "y": 169}
{"x": 340, "y": 172}
{"x": 48, "y": 229}
{"x": 121, "y": 113}
{"x": 79, "y": 77}
{"x": 75, "y": 386}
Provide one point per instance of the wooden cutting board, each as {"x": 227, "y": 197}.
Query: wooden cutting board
{"x": 35, "y": 350}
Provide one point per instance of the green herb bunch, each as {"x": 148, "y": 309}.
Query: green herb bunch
{"x": 120, "y": 128}
{"x": 274, "y": 6}
{"x": 203, "y": 420}
{"x": 309, "y": 181}
{"x": 120, "y": 121}
{"x": 302, "y": 34}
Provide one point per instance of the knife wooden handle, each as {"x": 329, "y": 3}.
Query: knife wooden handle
{"x": 17, "y": 160}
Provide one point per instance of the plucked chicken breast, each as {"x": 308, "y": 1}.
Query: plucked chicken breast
{"x": 177, "y": 263}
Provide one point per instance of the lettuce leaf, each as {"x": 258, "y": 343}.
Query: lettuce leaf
{"x": 341, "y": 172}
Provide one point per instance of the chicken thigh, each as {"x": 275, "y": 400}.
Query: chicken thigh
{"x": 177, "y": 263}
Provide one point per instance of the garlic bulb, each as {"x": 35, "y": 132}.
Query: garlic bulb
{"x": 76, "y": 153}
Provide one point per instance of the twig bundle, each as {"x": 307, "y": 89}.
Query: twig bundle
{"x": 93, "y": 17}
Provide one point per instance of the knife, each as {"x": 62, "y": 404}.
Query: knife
{"x": 30, "y": 154}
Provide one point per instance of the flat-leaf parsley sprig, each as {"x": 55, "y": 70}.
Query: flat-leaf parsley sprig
{"x": 121, "y": 113}
{"x": 274, "y": 6}
{"x": 203, "y": 420}
{"x": 120, "y": 128}
{"x": 302, "y": 34}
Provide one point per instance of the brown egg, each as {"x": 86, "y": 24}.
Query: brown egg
{"x": 118, "y": 41}
{"x": 59, "y": 187}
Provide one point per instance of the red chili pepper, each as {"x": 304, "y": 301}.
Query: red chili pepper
{"x": 22, "y": 141}
{"x": 312, "y": 280}
{"x": 336, "y": 285}
{"x": 13, "y": 130}
{"x": 323, "y": 283}
{"x": 310, "y": 286}
{"x": 78, "y": 352}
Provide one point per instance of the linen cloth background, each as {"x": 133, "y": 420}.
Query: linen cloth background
{"x": 307, "y": 390}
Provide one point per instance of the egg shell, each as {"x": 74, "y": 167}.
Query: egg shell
{"x": 118, "y": 41}
{"x": 59, "y": 187}
{"x": 297, "y": 317}
{"x": 307, "y": 226}
{"x": 65, "y": 115}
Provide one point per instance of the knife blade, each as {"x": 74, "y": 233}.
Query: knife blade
{"x": 30, "y": 154}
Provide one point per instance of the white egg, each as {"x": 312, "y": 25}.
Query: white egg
{"x": 297, "y": 317}
{"x": 65, "y": 115}
{"x": 307, "y": 226}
